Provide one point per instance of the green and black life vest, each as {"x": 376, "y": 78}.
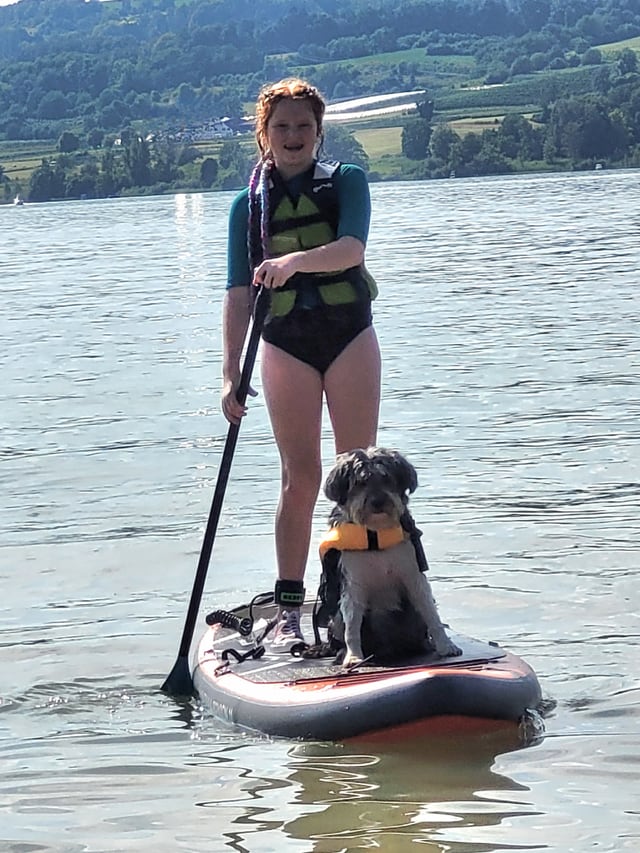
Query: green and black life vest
{"x": 306, "y": 222}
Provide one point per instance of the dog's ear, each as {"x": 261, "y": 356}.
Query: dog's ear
{"x": 406, "y": 474}
{"x": 338, "y": 482}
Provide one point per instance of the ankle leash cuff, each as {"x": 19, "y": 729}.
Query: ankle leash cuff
{"x": 289, "y": 593}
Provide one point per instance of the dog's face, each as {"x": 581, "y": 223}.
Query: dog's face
{"x": 371, "y": 487}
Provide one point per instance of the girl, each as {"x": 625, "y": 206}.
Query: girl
{"x": 300, "y": 231}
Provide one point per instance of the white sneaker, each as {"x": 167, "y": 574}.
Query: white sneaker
{"x": 287, "y": 631}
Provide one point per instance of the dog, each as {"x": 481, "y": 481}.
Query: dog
{"x": 386, "y": 607}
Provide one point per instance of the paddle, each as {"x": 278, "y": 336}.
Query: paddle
{"x": 179, "y": 681}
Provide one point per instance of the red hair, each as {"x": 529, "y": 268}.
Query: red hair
{"x": 271, "y": 95}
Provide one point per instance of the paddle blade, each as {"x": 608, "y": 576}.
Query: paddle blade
{"x": 179, "y": 681}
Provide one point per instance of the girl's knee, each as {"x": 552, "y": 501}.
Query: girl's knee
{"x": 301, "y": 481}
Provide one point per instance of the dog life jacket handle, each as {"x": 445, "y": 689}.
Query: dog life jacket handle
{"x": 409, "y": 525}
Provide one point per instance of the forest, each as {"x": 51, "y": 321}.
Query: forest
{"x": 105, "y": 85}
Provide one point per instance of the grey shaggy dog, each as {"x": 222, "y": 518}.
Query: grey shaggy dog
{"x": 386, "y": 609}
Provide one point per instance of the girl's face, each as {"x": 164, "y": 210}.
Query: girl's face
{"x": 292, "y": 136}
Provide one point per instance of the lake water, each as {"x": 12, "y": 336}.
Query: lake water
{"x": 509, "y": 321}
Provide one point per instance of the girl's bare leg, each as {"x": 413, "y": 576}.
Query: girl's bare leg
{"x": 293, "y": 394}
{"x": 352, "y": 388}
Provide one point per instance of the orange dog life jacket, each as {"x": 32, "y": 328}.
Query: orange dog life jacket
{"x": 355, "y": 537}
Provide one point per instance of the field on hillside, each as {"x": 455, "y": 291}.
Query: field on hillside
{"x": 21, "y": 169}
{"x": 19, "y": 159}
{"x": 434, "y": 73}
{"x": 380, "y": 141}
{"x": 452, "y": 63}
{"x": 463, "y": 126}
{"x": 617, "y": 46}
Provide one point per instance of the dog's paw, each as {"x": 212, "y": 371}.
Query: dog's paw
{"x": 339, "y": 658}
{"x": 350, "y": 659}
{"x": 448, "y": 649}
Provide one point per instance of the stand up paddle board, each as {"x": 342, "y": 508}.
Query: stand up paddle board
{"x": 244, "y": 681}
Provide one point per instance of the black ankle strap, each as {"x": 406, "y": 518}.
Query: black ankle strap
{"x": 289, "y": 593}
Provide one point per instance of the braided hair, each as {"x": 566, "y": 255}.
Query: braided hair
{"x": 258, "y": 227}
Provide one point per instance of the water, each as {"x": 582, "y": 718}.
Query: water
{"x": 508, "y": 319}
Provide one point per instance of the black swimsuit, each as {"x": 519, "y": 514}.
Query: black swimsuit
{"x": 318, "y": 335}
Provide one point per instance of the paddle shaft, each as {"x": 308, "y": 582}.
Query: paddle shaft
{"x": 179, "y": 681}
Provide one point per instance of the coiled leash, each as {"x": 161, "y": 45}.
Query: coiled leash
{"x": 230, "y": 620}
{"x": 244, "y": 627}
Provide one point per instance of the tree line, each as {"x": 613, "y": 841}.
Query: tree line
{"x": 146, "y": 165}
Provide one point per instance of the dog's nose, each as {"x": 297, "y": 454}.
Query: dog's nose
{"x": 378, "y": 503}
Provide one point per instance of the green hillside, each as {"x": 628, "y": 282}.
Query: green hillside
{"x": 90, "y": 90}
{"x": 618, "y": 46}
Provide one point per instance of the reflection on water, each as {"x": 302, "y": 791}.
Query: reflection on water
{"x": 361, "y": 799}
{"x": 328, "y": 797}
{"x": 508, "y": 319}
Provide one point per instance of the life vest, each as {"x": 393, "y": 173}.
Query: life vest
{"x": 346, "y": 537}
{"x": 306, "y": 222}
{"x": 355, "y": 537}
